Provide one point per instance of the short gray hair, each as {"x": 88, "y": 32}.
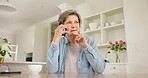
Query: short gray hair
{"x": 63, "y": 16}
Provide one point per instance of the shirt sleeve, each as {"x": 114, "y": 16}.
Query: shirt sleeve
{"x": 52, "y": 57}
{"x": 94, "y": 58}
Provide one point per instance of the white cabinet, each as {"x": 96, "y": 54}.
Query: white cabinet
{"x": 115, "y": 68}
{"x": 113, "y": 25}
{"x": 94, "y": 30}
{"x": 14, "y": 52}
{"x": 32, "y": 44}
{"x": 105, "y": 26}
{"x": 108, "y": 25}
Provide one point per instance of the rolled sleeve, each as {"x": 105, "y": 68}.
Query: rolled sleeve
{"x": 52, "y": 57}
{"x": 95, "y": 59}
{"x": 91, "y": 51}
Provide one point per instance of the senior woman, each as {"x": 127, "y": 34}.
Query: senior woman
{"x": 75, "y": 52}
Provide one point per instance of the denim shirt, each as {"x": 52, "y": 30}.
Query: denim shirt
{"x": 89, "y": 59}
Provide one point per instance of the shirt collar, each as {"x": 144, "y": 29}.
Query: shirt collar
{"x": 66, "y": 40}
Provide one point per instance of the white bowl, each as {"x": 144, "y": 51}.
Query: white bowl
{"x": 34, "y": 69}
{"x": 113, "y": 23}
{"x": 93, "y": 26}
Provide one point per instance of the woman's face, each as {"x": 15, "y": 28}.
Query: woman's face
{"x": 72, "y": 24}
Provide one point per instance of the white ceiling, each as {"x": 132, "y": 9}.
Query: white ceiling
{"x": 31, "y": 12}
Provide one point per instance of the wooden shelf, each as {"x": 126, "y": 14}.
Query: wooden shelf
{"x": 114, "y": 27}
{"x": 91, "y": 31}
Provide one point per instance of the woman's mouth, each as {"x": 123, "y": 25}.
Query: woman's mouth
{"x": 72, "y": 30}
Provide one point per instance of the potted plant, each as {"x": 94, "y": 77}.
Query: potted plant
{"x": 117, "y": 47}
{"x": 4, "y": 51}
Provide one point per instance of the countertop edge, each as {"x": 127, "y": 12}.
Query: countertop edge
{"x": 117, "y": 63}
{"x": 21, "y": 62}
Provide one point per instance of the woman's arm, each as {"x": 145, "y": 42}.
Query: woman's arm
{"x": 52, "y": 58}
{"x": 53, "y": 51}
{"x": 93, "y": 56}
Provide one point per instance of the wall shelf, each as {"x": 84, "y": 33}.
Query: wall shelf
{"x": 110, "y": 27}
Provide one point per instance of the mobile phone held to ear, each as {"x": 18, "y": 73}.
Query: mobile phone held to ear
{"x": 62, "y": 22}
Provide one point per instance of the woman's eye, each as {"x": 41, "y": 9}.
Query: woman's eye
{"x": 76, "y": 22}
{"x": 68, "y": 22}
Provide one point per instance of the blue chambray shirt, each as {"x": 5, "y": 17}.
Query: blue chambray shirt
{"x": 89, "y": 59}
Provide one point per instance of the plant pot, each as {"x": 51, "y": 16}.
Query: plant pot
{"x": 1, "y": 60}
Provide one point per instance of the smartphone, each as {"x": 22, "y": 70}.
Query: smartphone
{"x": 62, "y": 22}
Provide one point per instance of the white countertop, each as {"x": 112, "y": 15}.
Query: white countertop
{"x": 108, "y": 75}
{"x": 22, "y": 62}
{"x": 117, "y": 63}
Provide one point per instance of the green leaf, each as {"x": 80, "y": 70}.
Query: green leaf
{"x": 112, "y": 48}
{"x": 5, "y": 40}
{"x": 109, "y": 47}
{"x": 9, "y": 54}
{"x": 9, "y": 47}
{"x": 124, "y": 48}
{"x": 0, "y": 47}
{"x": 3, "y": 52}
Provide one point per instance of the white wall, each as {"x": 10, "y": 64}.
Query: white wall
{"x": 40, "y": 44}
{"x": 102, "y": 5}
{"x": 136, "y": 22}
{"x": 8, "y": 35}
{"x": 25, "y": 41}
{"x": 33, "y": 40}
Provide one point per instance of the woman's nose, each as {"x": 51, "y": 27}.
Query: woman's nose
{"x": 73, "y": 25}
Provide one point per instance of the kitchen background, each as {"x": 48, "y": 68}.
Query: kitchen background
{"x": 34, "y": 40}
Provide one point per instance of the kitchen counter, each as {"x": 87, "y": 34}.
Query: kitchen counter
{"x": 21, "y": 62}
{"x": 21, "y": 66}
{"x": 108, "y": 75}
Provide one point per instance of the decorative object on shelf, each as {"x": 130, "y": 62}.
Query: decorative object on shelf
{"x": 107, "y": 24}
{"x": 4, "y": 51}
{"x": 122, "y": 21}
{"x": 113, "y": 23}
{"x": 117, "y": 46}
{"x": 93, "y": 26}
{"x": 87, "y": 29}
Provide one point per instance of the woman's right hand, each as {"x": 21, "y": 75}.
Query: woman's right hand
{"x": 58, "y": 33}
